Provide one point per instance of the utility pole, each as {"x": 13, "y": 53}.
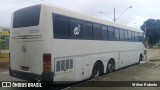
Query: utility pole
{"x": 114, "y": 19}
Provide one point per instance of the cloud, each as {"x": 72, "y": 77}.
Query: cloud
{"x": 7, "y": 8}
{"x": 141, "y": 11}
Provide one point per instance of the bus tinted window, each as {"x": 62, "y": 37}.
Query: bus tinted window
{"x": 122, "y": 34}
{"x": 141, "y": 37}
{"x": 27, "y": 17}
{"x": 61, "y": 26}
{"x": 126, "y": 34}
{"x": 76, "y": 28}
{"x": 72, "y": 28}
{"x": 129, "y": 35}
{"x": 133, "y": 36}
{"x": 116, "y": 33}
{"x": 97, "y": 31}
{"x": 111, "y": 33}
{"x": 87, "y": 33}
{"x": 104, "y": 32}
{"x": 136, "y": 36}
{"x": 56, "y": 26}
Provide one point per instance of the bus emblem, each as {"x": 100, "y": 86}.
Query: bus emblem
{"x": 24, "y": 49}
{"x": 77, "y": 30}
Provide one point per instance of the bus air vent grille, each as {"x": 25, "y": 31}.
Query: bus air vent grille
{"x": 64, "y": 65}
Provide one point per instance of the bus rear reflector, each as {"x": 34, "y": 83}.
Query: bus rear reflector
{"x": 46, "y": 62}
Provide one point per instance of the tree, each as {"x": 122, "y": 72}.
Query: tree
{"x": 2, "y": 44}
{"x": 152, "y": 31}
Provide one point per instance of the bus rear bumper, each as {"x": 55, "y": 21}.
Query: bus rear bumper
{"x": 31, "y": 76}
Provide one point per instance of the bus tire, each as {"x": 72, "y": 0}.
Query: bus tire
{"x": 111, "y": 66}
{"x": 97, "y": 70}
{"x": 140, "y": 58}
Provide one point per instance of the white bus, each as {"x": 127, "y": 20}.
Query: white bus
{"x": 54, "y": 44}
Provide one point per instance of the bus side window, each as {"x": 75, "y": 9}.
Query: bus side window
{"x": 97, "y": 32}
{"x": 133, "y": 36}
{"x": 129, "y": 35}
{"x": 55, "y": 26}
{"x": 61, "y": 27}
{"x": 76, "y": 28}
{"x": 126, "y": 35}
{"x": 105, "y": 32}
{"x": 122, "y": 34}
{"x": 111, "y": 33}
{"x": 141, "y": 37}
{"x": 116, "y": 33}
{"x": 136, "y": 36}
{"x": 87, "y": 33}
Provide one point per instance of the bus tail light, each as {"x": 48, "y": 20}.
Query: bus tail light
{"x": 46, "y": 63}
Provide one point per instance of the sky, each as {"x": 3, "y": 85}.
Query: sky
{"x": 141, "y": 9}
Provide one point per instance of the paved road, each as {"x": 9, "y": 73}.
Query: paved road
{"x": 4, "y": 76}
{"x": 149, "y": 71}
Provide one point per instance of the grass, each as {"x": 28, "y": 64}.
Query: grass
{"x": 4, "y": 57}
{"x": 4, "y": 60}
{"x": 158, "y": 48}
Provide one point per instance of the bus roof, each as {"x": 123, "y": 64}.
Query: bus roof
{"x": 81, "y": 15}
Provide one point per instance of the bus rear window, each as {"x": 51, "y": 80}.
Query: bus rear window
{"x": 27, "y": 17}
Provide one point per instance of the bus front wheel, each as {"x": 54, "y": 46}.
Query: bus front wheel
{"x": 96, "y": 71}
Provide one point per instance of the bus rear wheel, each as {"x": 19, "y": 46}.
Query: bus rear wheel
{"x": 110, "y": 66}
{"x": 96, "y": 71}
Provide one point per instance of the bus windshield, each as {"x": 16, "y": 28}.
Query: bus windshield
{"x": 27, "y": 17}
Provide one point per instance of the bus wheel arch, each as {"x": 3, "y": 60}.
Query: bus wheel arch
{"x": 111, "y": 66}
{"x": 98, "y": 69}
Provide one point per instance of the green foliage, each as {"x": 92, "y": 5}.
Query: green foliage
{"x": 152, "y": 30}
{"x": 2, "y": 44}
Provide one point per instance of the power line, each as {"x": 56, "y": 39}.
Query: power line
{"x": 123, "y": 12}
{"x": 106, "y": 14}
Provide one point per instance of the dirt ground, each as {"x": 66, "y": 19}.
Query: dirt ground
{"x": 4, "y": 61}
